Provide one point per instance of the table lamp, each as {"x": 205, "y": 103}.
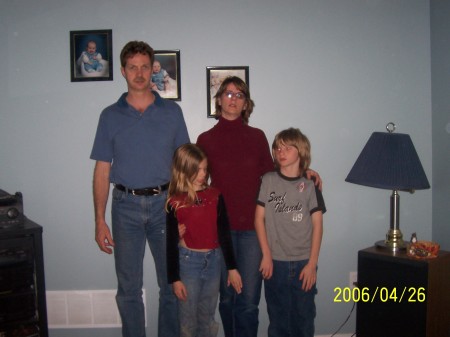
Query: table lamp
{"x": 390, "y": 161}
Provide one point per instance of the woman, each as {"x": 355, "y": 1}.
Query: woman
{"x": 238, "y": 155}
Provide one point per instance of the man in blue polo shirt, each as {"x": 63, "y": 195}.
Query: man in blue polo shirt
{"x": 135, "y": 140}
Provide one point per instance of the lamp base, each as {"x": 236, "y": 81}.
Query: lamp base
{"x": 384, "y": 245}
{"x": 394, "y": 241}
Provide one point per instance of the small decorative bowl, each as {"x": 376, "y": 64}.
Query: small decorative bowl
{"x": 423, "y": 249}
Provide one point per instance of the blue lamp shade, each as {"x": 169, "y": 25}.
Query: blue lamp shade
{"x": 389, "y": 161}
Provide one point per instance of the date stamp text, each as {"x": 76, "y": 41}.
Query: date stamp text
{"x": 383, "y": 294}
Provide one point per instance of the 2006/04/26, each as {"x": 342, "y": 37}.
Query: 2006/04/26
{"x": 409, "y": 294}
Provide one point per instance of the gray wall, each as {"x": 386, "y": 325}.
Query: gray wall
{"x": 440, "y": 71}
{"x": 338, "y": 70}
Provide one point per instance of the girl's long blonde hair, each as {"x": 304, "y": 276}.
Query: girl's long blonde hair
{"x": 185, "y": 165}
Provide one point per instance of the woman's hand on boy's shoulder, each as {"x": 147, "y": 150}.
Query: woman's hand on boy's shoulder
{"x": 315, "y": 177}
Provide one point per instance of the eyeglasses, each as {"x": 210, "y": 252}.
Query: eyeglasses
{"x": 238, "y": 95}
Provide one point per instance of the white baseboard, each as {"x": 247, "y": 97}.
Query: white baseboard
{"x": 77, "y": 309}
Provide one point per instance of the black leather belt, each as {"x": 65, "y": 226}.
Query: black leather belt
{"x": 143, "y": 191}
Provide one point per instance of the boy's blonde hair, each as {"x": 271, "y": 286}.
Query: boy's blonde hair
{"x": 294, "y": 137}
{"x": 185, "y": 164}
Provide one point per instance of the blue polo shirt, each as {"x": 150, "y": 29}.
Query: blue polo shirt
{"x": 139, "y": 146}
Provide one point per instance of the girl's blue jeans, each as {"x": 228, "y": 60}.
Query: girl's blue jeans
{"x": 200, "y": 274}
{"x": 291, "y": 309}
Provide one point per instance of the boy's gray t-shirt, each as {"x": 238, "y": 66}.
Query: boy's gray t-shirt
{"x": 289, "y": 203}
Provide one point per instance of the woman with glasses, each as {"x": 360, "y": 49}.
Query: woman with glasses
{"x": 238, "y": 155}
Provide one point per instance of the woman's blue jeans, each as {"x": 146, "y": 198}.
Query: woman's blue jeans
{"x": 200, "y": 274}
{"x": 291, "y": 309}
{"x": 137, "y": 220}
{"x": 239, "y": 313}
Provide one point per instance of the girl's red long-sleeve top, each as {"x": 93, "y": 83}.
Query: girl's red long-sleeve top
{"x": 207, "y": 227}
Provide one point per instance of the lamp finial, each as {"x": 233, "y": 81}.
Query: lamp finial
{"x": 390, "y": 127}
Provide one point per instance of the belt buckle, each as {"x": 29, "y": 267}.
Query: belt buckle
{"x": 157, "y": 190}
{"x": 133, "y": 192}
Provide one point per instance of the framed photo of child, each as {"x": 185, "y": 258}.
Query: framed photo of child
{"x": 166, "y": 78}
{"x": 215, "y": 77}
{"x": 91, "y": 56}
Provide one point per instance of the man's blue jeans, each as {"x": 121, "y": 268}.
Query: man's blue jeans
{"x": 291, "y": 309}
{"x": 200, "y": 274}
{"x": 135, "y": 221}
{"x": 239, "y": 313}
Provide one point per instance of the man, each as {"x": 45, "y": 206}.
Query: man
{"x": 135, "y": 140}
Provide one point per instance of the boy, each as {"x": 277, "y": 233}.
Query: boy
{"x": 288, "y": 223}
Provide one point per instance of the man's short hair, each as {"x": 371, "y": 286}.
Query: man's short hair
{"x": 136, "y": 47}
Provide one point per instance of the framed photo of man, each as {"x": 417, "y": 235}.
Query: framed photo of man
{"x": 215, "y": 77}
{"x": 91, "y": 56}
{"x": 166, "y": 78}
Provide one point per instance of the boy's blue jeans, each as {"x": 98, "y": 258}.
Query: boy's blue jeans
{"x": 137, "y": 220}
{"x": 291, "y": 309}
{"x": 239, "y": 313}
{"x": 200, "y": 274}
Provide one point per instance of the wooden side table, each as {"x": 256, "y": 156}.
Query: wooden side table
{"x": 407, "y": 297}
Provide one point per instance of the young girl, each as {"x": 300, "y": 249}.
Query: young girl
{"x": 288, "y": 222}
{"x": 194, "y": 260}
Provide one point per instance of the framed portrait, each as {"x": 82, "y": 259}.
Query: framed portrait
{"x": 166, "y": 78}
{"x": 91, "y": 56}
{"x": 215, "y": 77}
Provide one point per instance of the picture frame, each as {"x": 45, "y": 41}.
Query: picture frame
{"x": 215, "y": 77}
{"x": 168, "y": 83}
{"x": 84, "y": 66}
